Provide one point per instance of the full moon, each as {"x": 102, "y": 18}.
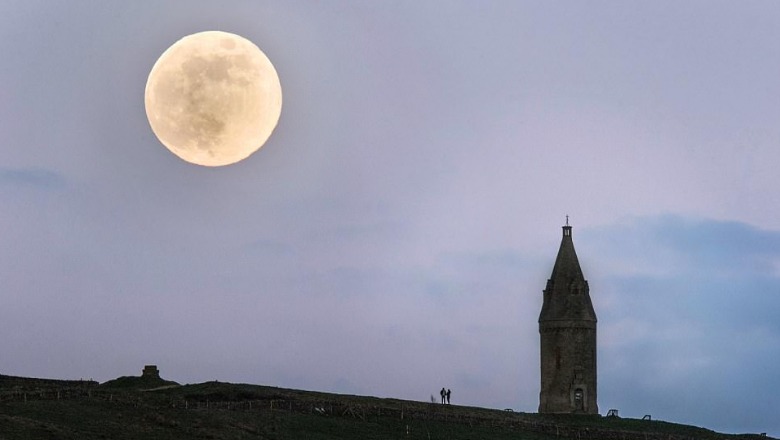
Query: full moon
{"x": 213, "y": 98}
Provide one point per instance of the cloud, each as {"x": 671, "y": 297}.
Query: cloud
{"x": 687, "y": 319}
{"x": 670, "y": 245}
{"x": 32, "y": 178}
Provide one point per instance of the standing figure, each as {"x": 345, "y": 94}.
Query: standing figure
{"x": 448, "y": 396}
{"x": 443, "y": 395}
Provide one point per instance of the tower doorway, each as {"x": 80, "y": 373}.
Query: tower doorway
{"x": 579, "y": 400}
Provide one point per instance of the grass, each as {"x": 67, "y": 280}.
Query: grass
{"x": 214, "y": 410}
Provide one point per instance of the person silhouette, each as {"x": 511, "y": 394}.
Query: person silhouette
{"x": 448, "y": 396}
{"x": 443, "y": 395}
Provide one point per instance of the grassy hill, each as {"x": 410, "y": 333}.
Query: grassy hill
{"x": 125, "y": 409}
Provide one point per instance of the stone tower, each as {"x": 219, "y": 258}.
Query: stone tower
{"x": 150, "y": 372}
{"x": 567, "y": 326}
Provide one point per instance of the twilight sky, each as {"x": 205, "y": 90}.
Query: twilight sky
{"x": 396, "y": 232}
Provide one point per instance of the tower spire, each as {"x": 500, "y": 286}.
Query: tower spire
{"x": 567, "y": 266}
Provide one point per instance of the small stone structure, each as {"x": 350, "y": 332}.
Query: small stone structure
{"x": 567, "y": 327}
{"x": 150, "y": 372}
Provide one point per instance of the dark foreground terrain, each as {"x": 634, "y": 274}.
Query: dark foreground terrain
{"x": 136, "y": 408}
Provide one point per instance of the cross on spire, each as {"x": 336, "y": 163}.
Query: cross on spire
{"x": 567, "y": 219}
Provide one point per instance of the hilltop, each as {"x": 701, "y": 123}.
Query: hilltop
{"x": 39, "y": 408}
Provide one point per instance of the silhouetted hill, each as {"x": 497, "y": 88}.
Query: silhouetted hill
{"x": 215, "y": 410}
{"x": 138, "y": 383}
{"x": 31, "y": 383}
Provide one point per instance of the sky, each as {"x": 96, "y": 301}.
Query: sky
{"x": 396, "y": 232}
